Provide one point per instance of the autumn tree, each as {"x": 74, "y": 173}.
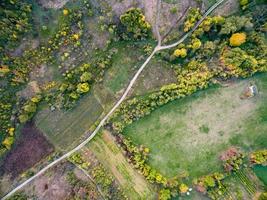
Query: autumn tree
{"x": 180, "y": 53}
{"x": 237, "y": 39}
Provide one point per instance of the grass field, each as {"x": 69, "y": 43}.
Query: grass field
{"x": 189, "y": 134}
{"x": 156, "y": 74}
{"x": 64, "y": 128}
{"x": 261, "y": 172}
{"x": 125, "y": 62}
{"x": 108, "y": 153}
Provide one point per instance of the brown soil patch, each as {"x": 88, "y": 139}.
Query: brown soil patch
{"x": 54, "y": 185}
{"x": 31, "y": 147}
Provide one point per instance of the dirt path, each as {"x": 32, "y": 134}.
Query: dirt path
{"x": 102, "y": 122}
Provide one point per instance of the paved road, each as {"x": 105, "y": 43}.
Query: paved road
{"x": 156, "y": 49}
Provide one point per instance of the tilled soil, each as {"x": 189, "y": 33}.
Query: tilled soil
{"x": 30, "y": 148}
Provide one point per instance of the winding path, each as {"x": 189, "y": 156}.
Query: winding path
{"x": 156, "y": 49}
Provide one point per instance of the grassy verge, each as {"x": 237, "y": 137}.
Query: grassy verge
{"x": 188, "y": 134}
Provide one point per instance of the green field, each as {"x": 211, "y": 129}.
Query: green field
{"x": 64, "y": 128}
{"x": 261, "y": 172}
{"x": 189, "y": 134}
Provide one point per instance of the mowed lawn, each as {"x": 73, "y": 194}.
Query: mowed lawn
{"x": 189, "y": 134}
{"x": 65, "y": 128}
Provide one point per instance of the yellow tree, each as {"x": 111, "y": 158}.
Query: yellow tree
{"x": 237, "y": 39}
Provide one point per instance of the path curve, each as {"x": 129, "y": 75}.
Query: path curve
{"x": 102, "y": 122}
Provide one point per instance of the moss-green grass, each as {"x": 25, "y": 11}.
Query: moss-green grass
{"x": 173, "y": 132}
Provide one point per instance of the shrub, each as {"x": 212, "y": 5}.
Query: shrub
{"x": 237, "y": 39}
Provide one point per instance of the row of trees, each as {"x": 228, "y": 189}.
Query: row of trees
{"x": 138, "y": 157}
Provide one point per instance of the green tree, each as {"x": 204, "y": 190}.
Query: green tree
{"x": 86, "y": 76}
{"x": 83, "y": 87}
{"x": 235, "y": 23}
{"x": 30, "y": 107}
{"x": 164, "y": 194}
{"x": 135, "y": 23}
{"x": 23, "y": 118}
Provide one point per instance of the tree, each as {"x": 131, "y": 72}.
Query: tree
{"x": 65, "y": 12}
{"x": 195, "y": 44}
{"x": 237, "y": 39}
{"x": 183, "y": 188}
{"x": 193, "y": 16}
{"x": 243, "y": 4}
{"x": 235, "y": 23}
{"x": 259, "y": 157}
{"x": 209, "y": 181}
{"x": 23, "y": 118}
{"x": 180, "y": 53}
{"x": 83, "y": 87}
{"x": 30, "y": 107}
{"x": 8, "y": 141}
{"x": 86, "y": 76}
{"x": 164, "y": 194}
{"x": 135, "y": 23}
{"x": 263, "y": 196}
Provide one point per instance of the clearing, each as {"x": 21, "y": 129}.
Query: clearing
{"x": 189, "y": 134}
